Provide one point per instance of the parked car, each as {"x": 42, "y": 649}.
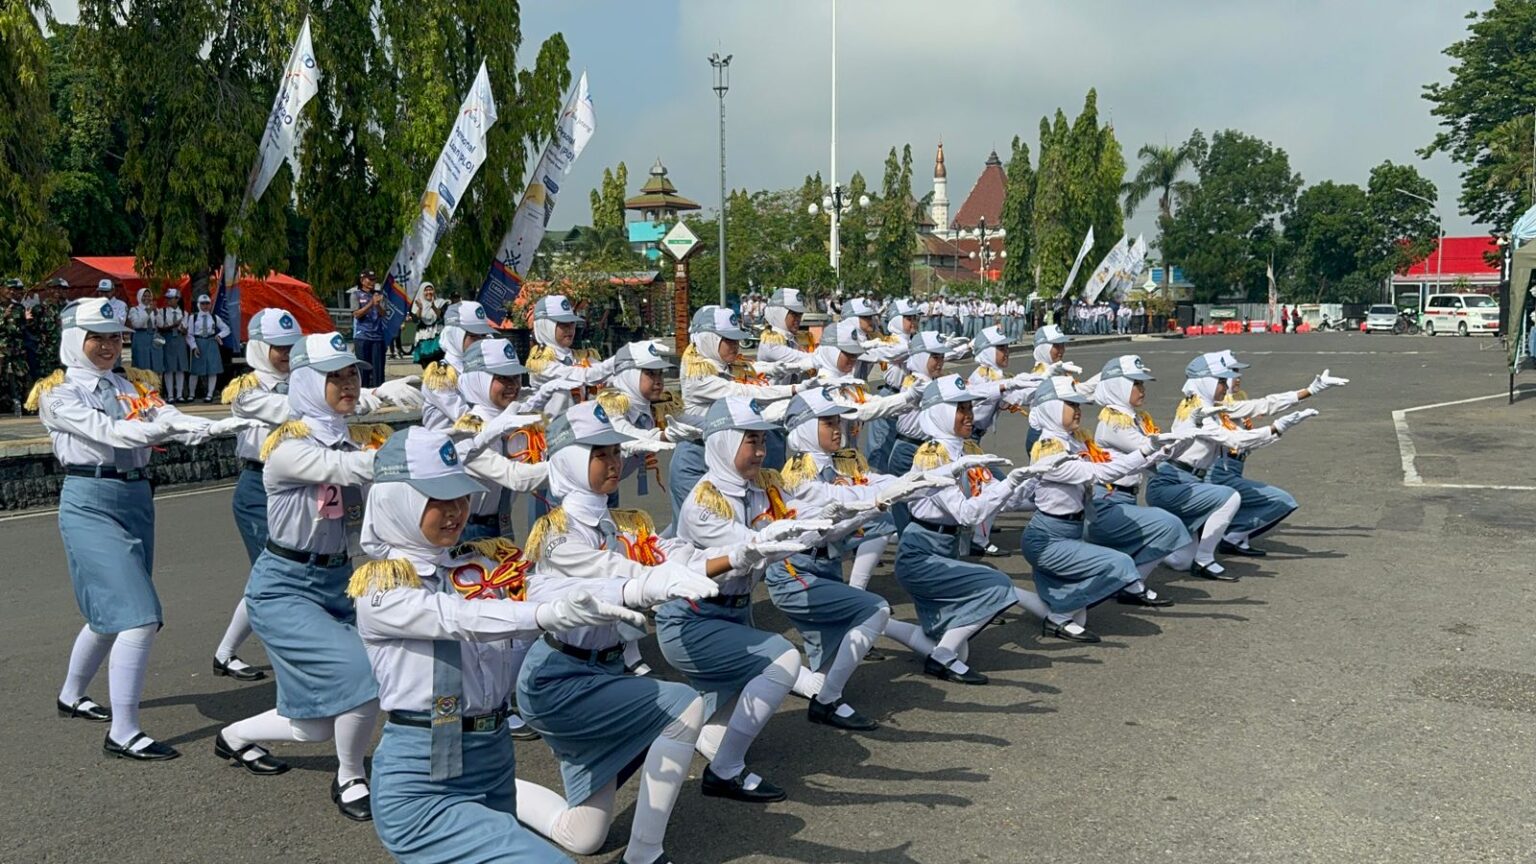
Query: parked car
{"x": 1382, "y": 316}
{"x": 1462, "y": 314}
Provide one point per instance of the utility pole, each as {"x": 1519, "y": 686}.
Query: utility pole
{"x": 722, "y": 67}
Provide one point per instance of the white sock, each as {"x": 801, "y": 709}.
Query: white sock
{"x": 866, "y": 560}
{"x": 708, "y": 743}
{"x": 948, "y": 650}
{"x": 84, "y": 660}
{"x": 661, "y": 780}
{"x": 1031, "y": 602}
{"x": 1237, "y": 538}
{"x": 911, "y": 636}
{"x": 850, "y": 653}
{"x": 1182, "y": 557}
{"x": 272, "y": 726}
{"x": 1145, "y": 570}
{"x": 238, "y": 631}
{"x": 807, "y": 683}
{"x": 1072, "y": 622}
{"x": 354, "y": 732}
{"x": 580, "y": 829}
{"x": 125, "y": 680}
{"x": 1136, "y": 587}
{"x": 756, "y": 704}
{"x": 178, "y": 384}
{"x": 633, "y": 658}
{"x": 212, "y": 379}
{"x": 1215, "y": 526}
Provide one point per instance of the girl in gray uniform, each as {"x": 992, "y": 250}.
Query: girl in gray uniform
{"x": 317, "y": 468}
{"x": 205, "y": 331}
{"x": 148, "y": 348}
{"x": 602, "y": 723}
{"x": 437, "y": 619}
{"x": 554, "y": 332}
{"x": 102, "y": 425}
{"x": 464, "y": 324}
{"x": 169, "y": 322}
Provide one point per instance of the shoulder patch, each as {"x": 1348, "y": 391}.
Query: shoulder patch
{"x": 771, "y": 336}
{"x": 1114, "y": 418}
{"x": 613, "y": 401}
{"x": 539, "y": 358}
{"x": 470, "y": 422}
{"x": 797, "y": 470}
{"x": 708, "y": 497}
{"x": 696, "y": 365}
{"x": 1187, "y": 407}
{"x": 1046, "y": 447}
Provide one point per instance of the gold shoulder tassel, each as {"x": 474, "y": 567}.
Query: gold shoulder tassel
{"x": 550, "y": 525}
{"x": 931, "y": 455}
{"x": 711, "y": 500}
{"x": 291, "y": 430}
{"x": 612, "y": 401}
{"x": 234, "y": 388}
{"x": 41, "y": 387}
{"x": 385, "y": 575}
{"x": 440, "y": 376}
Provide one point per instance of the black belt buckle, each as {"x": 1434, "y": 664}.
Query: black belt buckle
{"x": 731, "y": 601}
{"x": 253, "y": 465}
{"x": 586, "y": 655}
{"x": 102, "y": 472}
{"x": 951, "y": 530}
{"x": 1198, "y": 472}
{"x": 485, "y": 722}
{"x": 327, "y": 560}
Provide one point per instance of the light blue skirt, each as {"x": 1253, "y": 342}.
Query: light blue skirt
{"x": 177, "y": 357}
{"x": 1146, "y": 534}
{"x": 947, "y": 592}
{"x": 306, "y": 620}
{"x": 207, "y": 360}
{"x": 594, "y": 716}
{"x": 881, "y": 433}
{"x": 716, "y": 647}
{"x": 1226, "y": 464}
{"x": 471, "y": 819}
{"x": 1071, "y": 574}
{"x": 146, "y": 354}
{"x": 108, "y": 528}
{"x": 819, "y": 603}
{"x": 684, "y": 472}
{"x": 1263, "y": 506}
{"x": 898, "y": 463}
{"x": 1185, "y": 495}
{"x": 250, "y": 507}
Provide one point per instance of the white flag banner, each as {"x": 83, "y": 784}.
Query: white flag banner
{"x": 1081, "y": 254}
{"x": 1125, "y": 281}
{"x": 462, "y": 156}
{"x": 505, "y": 280}
{"x": 1113, "y": 261}
{"x": 301, "y": 81}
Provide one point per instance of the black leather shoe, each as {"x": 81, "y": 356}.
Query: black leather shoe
{"x": 154, "y": 751}
{"x": 944, "y": 673}
{"x": 765, "y": 793}
{"x": 1226, "y": 548}
{"x": 264, "y": 765}
{"x": 521, "y": 731}
{"x": 360, "y": 810}
{"x": 826, "y": 715}
{"x": 1051, "y": 628}
{"x": 1201, "y": 570}
{"x": 661, "y": 859}
{"x": 875, "y": 655}
{"x": 248, "y": 673}
{"x": 1141, "y": 599}
{"x": 86, "y": 708}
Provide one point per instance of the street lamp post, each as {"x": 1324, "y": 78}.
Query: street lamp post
{"x": 722, "y": 68}
{"x": 835, "y": 205}
{"x": 1439, "y": 249}
{"x": 984, "y": 256}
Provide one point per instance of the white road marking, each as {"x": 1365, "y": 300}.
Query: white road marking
{"x": 187, "y": 493}
{"x": 1406, "y": 449}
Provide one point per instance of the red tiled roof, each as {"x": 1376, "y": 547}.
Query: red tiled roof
{"x": 1464, "y": 256}
{"x": 986, "y": 198}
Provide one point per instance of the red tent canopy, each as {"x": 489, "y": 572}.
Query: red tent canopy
{"x": 256, "y": 294}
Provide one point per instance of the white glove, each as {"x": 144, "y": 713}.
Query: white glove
{"x": 837, "y": 511}
{"x": 667, "y": 582}
{"x": 1087, "y": 388}
{"x": 184, "y": 423}
{"x": 785, "y": 528}
{"x": 1168, "y": 439}
{"x": 604, "y": 368}
{"x": 1020, "y": 381}
{"x": 555, "y": 385}
{"x": 907, "y": 488}
{"x": 1206, "y": 412}
{"x": 1038, "y": 468}
{"x": 1063, "y": 367}
{"x": 763, "y": 552}
{"x": 966, "y": 463}
{"x": 644, "y": 445}
{"x": 677, "y": 430}
{"x": 1324, "y": 381}
{"x": 956, "y": 343}
{"x": 914, "y": 396}
{"x": 581, "y": 609}
{"x": 403, "y": 392}
{"x": 1284, "y": 423}
{"x": 764, "y": 367}
{"x": 504, "y": 424}
{"x": 231, "y": 425}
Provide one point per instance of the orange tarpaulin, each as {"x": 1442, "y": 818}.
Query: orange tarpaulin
{"x": 278, "y": 289}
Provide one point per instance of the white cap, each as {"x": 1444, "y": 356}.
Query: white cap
{"x": 906, "y": 307}
{"x": 583, "y": 423}
{"x": 325, "y": 352}
{"x": 556, "y": 308}
{"x": 426, "y": 460}
{"x": 496, "y": 356}
{"x": 1126, "y": 366}
{"x": 788, "y": 298}
{"x": 640, "y": 355}
{"x": 718, "y": 320}
{"x": 274, "y": 326}
{"x": 1231, "y": 360}
{"x": 926, "y": 342}
{"x": 946, "y": 388}
{"x": 469, "y": 316}
{"x": 104, "y": 285}
{"x": 1057, "y": 388}
{"x": 845, "y": 336}
{"x": 989, "y": 337}
{"x": 92, "y": 314}
{"x": 812, "y": 404}
{"x": 1209, "y": 365}
{"x": 736, "y": 412}
{"x": 860, "y": 307}
{"x": 1052, "y": 334}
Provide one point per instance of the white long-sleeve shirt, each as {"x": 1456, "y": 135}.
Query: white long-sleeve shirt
{"x": 84, "y": 433}
{"x": 315, "y": 494}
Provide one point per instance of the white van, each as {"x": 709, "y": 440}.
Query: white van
{"x": 1462, "y": 314}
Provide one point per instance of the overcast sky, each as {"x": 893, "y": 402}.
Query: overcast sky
{"x": 1335, "y": 84}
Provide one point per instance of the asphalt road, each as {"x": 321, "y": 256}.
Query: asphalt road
{"x": 1361, "y": 695}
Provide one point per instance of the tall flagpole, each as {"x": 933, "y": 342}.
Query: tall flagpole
{"x": 837, "y": 256}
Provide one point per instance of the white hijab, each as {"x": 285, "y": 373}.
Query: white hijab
{"x": 568, "y": 481}
{"x": 1043, "y": 354}
{"x": 475, "y": 387}
{"x": 1115, "y": 393}
{"x": 1205, "y": 388}
{"x": 258, "y": 357}
{"x": 392, "y": 527}
{"x": 938, "y": 423}
{"x": 452, "y": 343}
{"x": 988, "y": 357}
{"x": 776, "y": 316}
{"x": 72, "y": 356}
{"x": 708, "y": 346}
{"x": 917, "y": 364}
{"x": 825, "y": 357}
{"x": 1047, "y": 418}
{"x": 806, "y": 438}
{"x": 306, "y": 399}
{"x": 143, "y": 293}
{"x": 544, "y": 334}
{"x": 628, "y": 383}
{"x": 720, "y": 456}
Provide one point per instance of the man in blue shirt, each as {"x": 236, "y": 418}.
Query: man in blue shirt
{"x": 370, "y": 312}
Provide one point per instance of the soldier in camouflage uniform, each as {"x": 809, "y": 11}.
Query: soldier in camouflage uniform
{"x": 15, "y": 377}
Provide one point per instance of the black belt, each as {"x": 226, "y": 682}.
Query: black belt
{"x": 489, "y": 520}
{"x": 478, "y": 723}
{"x": 730, "y": 601}
{"x": 334, "y": 559}
{"x": 103, "y": 473}
{"x": 952, "y": 530}
{"x": 602, "y": 655}
{"x": 1070, "y": 517}
{"x": 910, "y": 440}
{"x": 1132, "y": 491}
{"x": 253, "y": 465}
{"x": 1198, "y": 472}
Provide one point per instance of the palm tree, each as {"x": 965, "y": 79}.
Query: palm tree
{"x": 1159, "y": 173}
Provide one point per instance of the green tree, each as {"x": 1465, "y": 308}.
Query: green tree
{"x": 1161, "y": 174}
{"x": 854, "y": 237}
{"x": 1054, "y": 241}
{"x": 896, "y": 232}
{"x": 608, "y": 200}
{"x": 31, "y": 243}
{"x": 84, "y": 195}
{"x": 1483, "y": 111}
{"x": 1228, "y": 229}
{"x": 1018, "y": 213}
{"x": 1329, "y": 228}
{"x": 1403, "y": 228}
